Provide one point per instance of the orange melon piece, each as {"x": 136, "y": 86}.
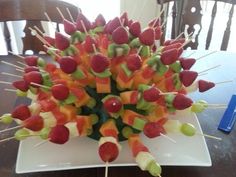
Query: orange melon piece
{"x": 103, "y": 85}
{"x": 133, "y": 138}
{"x": 84, "y": 125}
{"x": 157, "y": 114}
{"x": 139, "y": 79}
{"x": 69, "y": 111}
{"x": 129, "y": 97}
{"x": 109, "y": 129}
{"x": 129, "y": 116}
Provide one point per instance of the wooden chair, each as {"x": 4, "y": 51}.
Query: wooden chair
{"x": 33, "y": 12}
{"x": 183, "y": 14}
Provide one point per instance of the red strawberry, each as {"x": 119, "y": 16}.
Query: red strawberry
{"x": 99, "y": 63}
{"x": 68, "y": 64}
{"x": 205, "y": 85}
{"x": 88, "y": 44}
{"x": 138, "y": 147}
{"x": 157, "y": 23}
{"x": 124, "y": 19}
{"x": 180, "y": 40}
{"x": 59, "y": 134}
{"x": 108, "y": 151}
{"x": 31, "y": 60}
{"x": 100, "y": 20}
{"x": 187, "y": 77}
{"x": 61, "y": 41}
{"x": 112, "y": 25}
{"x": 49, "y": 39}
{"x": 181, "y": 102}
{"x": 120, "y": 35}
{"x": 28, "y": 69}
{"x": 21, "y": 112}
{"x": 169, "y": 56}
{"x": 172, "y": 46}
{"x": 180, "y": 51}
{"x": 69, "y": 27}
{"x": 153, "y": 129}
{"x": 60, "y": 91}
{"x": 167, "y": 42}
{"x": 130, "y": 23}
{"x": 112, "y": 105}
{"x": 187, "y": 63}
{"x": 147, "y": 37}
{"x": 135, "y": 29}
{"x": 134, "y": 62}
{"x": 21, "y": 85}
{"x": 152, "y": 94}
{"x": 34, "y": 123}
{"x": 158, "y": 33}
{"x": 33, "y": 76}
{"x": 86, "y": 22}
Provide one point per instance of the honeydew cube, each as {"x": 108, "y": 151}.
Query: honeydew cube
{"x": 72, "y": 126}
{"x": 172, "y": 126}
{"x": 49, "y": 119}
{"x": 143, "y": 159}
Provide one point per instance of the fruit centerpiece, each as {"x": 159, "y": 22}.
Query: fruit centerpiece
{"x": 110, "y": 82}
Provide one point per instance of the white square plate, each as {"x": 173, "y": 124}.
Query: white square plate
{"x": 82, "y": 152}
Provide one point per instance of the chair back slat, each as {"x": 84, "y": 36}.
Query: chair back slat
{"x": 192, "y": 16}
{"x": 33, "y": 12}
{"x": 227, "y": 31}
{"x": 210, "y": 30}
{"x": 7, "y": 36}
{"x": 174, "y": 14}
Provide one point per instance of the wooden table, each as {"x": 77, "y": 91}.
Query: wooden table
{"x": 223, "y": 153}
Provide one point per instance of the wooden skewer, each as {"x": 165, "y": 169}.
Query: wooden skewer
{"x": 85, "y": 30}
{"x": 209, "y": 136}
{"x": 49, "y": 19}
{"x": 209, "y": 69}
{"x": 19, "y": 56}
{"x": 206, "y": 55}
{"x": 10, "y": 90}
{"x": 217, "y": 104}
{"x": 94, "y": 48}
{"x": 9, "y": 74}
{"x": 71, "y": 18}
{"x": 106, "y": 169}
{"x": 10, "y": 64}
{"x": 39, "y": 37}
{"x": 185, "y": 43}
{"x": 22, "y": 63}
{"x": 61, "y": 14}
{"x": 202, "y": 74}
{"x": 178, "y": 36}
{"x": 7, "y": 139}
{"x": 43, "y": 86}
{"x": 157, "y": 17}
{"x": 12, "y": 128}
{"x": 139, "y": 49}
{"x": 38, "y": 30}
{"x": 20, "y": 70}
{"x": 167, "y": 137}
{"x": 168, "y": 93}
{"x": 58, "y": 56}
{"x": 4, "y": 82}
{"x": 224, "y": 82}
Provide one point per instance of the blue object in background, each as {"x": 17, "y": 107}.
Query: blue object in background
{"x": 229, "y": 117}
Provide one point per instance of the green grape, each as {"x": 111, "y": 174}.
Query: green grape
{"x": 139, "y": 123}
{"x": 94, "y": 118}
{"x": 6, "y": 118}
{"x": 127, "y": 131}
{"x": 45, "y": 132}
{"x": 154, "y": 168}
{"x": 92, "y": 102}
{"x": 188, "y": 129}
{"x": 22, "y": 134}
{"x": 21, "y": 93}
{"x": 199, "y": 106}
